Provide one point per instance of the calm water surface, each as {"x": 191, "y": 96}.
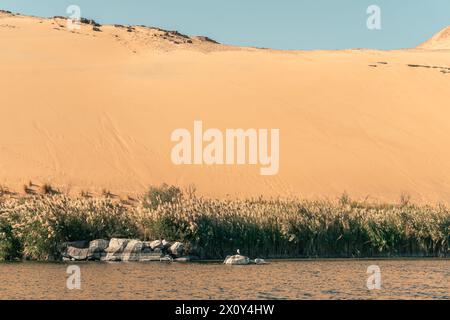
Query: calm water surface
{"x": 305, "y": 279}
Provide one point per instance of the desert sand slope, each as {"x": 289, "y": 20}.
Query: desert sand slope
{"x": 93, "y": 110}
{"x": 440, "y": 41}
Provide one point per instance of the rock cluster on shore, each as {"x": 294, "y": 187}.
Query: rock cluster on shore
{"x": 118, "y": 249}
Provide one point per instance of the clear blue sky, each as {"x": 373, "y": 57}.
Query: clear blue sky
{"x": 282, "y": 24}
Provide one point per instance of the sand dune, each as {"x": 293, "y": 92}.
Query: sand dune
{"x": 440, "y": 41}
{"x": 93, "y": 110}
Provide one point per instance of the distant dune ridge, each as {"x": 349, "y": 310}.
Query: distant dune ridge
{"x": 93, "y": 110}
{"x": 440, "y": 41}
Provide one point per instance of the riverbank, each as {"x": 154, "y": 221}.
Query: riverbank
{"x": 35, "y": 227}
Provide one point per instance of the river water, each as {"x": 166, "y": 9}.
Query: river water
{"x": 303, "y": 279}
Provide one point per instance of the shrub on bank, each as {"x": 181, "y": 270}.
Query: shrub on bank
{"x": 161, "y": 195}
{"x": 293, "y": 228}
{"x": 10, "y": 247}
{"x": 34, "y": 227}
{"x": 41, "y": 224}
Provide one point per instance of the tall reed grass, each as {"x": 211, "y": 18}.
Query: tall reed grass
{"x": 34, "y": 227}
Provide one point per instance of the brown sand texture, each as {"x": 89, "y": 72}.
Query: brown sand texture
{"x": 94, "y": 110}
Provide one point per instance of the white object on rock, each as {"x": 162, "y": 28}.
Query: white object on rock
{"x": 237, "y": 260}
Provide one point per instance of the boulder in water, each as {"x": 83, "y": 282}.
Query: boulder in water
{"x": 237, "y": 260}
{"x": 259, "y": 261}
{"x": 177, "y": 249}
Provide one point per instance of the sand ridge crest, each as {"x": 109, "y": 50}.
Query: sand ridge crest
{"x": 440, "y": 41}
{"x": 136, "y": 38}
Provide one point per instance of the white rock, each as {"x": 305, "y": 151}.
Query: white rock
{"x": 132, "y": 251}
{"x": 115, "y": 249}
{"x": 177, "y": 249}
{"x": 259, "y": 261}
{"x": 237, "y": 260}
{"x": 166, "y": 244}
{"x": 156, "y": 244}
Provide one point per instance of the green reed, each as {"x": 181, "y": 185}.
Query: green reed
{"x": 34, "y": 227}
